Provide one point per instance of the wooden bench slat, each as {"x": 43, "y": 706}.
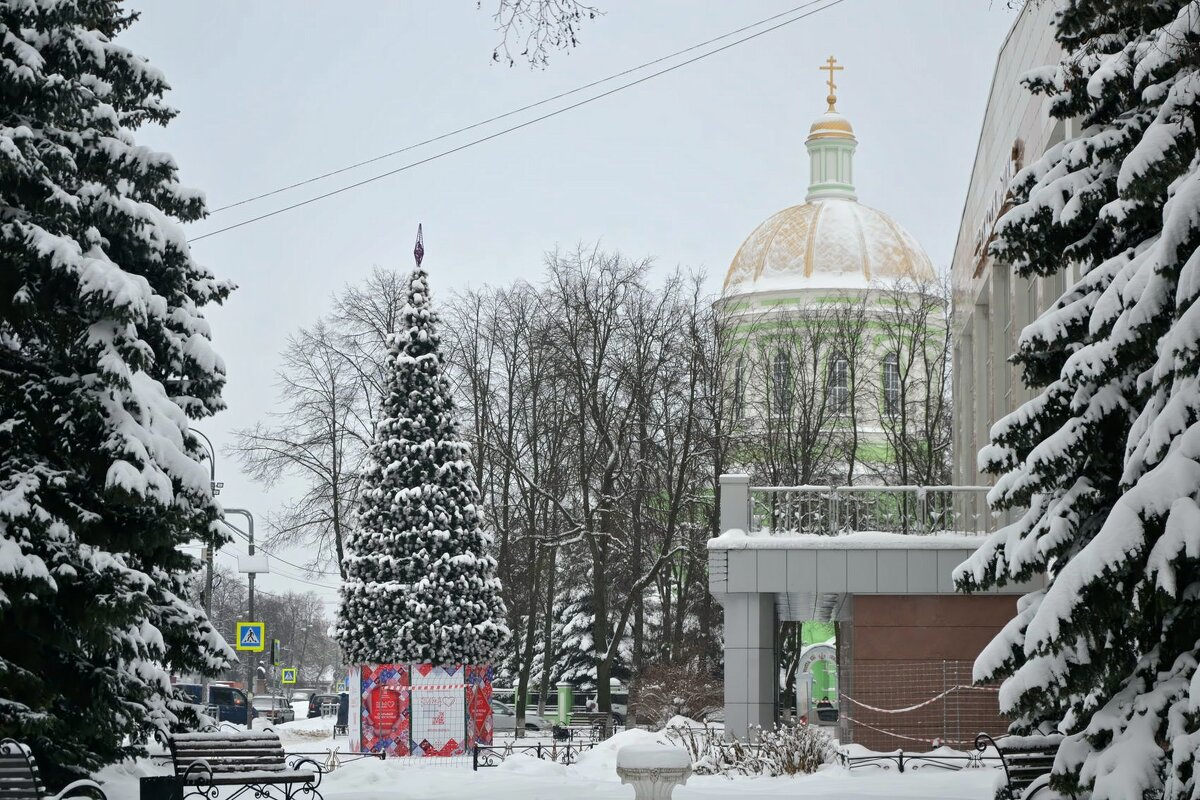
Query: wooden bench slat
{"x": 246, "y": 768}
{"x": 208, "y": 757}
{"x": 237, "y": 779}
{"x": 219, "y": 747}
{"x": 230, "y": 754}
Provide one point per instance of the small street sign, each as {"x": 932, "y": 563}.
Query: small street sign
{"x": 288, "y": 675}
{"x": 252, "y": 636}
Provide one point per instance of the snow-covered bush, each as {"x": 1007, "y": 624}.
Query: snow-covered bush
{"x": 782, "y": 750}
{"x": 664, "y": 691}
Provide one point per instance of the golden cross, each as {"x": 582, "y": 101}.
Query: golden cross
{"x": 830, "y": 66}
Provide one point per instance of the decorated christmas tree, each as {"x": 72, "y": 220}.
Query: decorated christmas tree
{"x": 104, "y": 355}
{"x": 420, "y": 585}
{"x": 1103, "y": 464}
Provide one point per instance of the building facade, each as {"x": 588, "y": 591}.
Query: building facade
{"x": 876, "y": 561}
{"x": 834, "y": 311}
{"x": 991, "y": 304}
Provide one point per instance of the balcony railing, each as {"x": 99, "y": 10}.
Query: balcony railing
{"x": 833, "y": 510}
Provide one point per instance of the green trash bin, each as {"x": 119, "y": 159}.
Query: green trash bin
{"x": 161, "y": 787}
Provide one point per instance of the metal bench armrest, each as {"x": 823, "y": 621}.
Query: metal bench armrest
{"x": 297, "y": 763}
{"x": 81, "y": 788}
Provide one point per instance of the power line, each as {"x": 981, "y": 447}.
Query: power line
{"x": 500, "y": 133}
{"x": 267, "y": 552}
{"x": 507, "y": 114}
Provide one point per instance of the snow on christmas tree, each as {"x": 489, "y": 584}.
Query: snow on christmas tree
{"x": 1104, "y": 463}
{"x": 104, "y": 355}
{"x": 420, "y": 586}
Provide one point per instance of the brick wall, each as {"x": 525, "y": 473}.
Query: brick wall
{"x": 916, "y": 653}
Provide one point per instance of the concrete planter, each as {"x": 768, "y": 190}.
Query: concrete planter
{"x": 654, "y": 770}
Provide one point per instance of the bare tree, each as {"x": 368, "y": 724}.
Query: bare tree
{"x": 532, "y": 28}
{"x": 795, "y": 394}
{"x": 319, "y": 436}
{"x": 912, "y": 383}
{"x": 330, "y": 382}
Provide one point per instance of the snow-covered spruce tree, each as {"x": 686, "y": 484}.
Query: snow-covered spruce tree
{"x": 104, "y": 354}
{"x": 575, "y": 648}
{"x": 575, "y": 661}
{"x": 420, "y": 586}
{"x": 1105, "y": 460}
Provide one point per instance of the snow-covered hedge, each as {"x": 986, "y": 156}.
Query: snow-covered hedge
{"x": 782, "y": 750}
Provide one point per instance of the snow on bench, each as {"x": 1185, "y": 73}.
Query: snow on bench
{"x": 253, "y": 760}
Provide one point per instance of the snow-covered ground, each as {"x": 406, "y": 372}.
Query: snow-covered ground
{"x": 594, "y": 777}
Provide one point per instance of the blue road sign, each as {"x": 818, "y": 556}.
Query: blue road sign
{"x": 252, "y": 636}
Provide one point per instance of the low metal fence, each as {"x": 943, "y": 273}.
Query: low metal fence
{"x": 484, "y": 756}
{"x": 832, "y": 510}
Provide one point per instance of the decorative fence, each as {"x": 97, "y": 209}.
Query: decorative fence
{"x": 834, "y": 510}
{"x": 493, "y": 755}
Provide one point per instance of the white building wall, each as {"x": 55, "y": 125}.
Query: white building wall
{"x": 991, "y": 303}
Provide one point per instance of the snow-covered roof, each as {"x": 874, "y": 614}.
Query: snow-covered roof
{"x": 860, "y": 540}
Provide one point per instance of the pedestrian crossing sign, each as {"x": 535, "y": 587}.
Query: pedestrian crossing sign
{"x": 252, "y": 636}
{"x": 288, "y": 675}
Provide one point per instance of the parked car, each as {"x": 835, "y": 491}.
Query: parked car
{"x": 225, "y": 703}
{"x": 322, "y": 705}
{"x": 504, "y": 719}
{"x": 301, "y": 695}
{"x": 273, "y": 708}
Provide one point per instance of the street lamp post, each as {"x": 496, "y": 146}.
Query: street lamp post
{"x": 250, "y": 602}
{"x": 208, "y": 547}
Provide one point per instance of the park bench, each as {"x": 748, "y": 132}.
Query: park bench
{"x": 19, "y": 778}
{"x": 1025, "y": 760}
{"x": 595, "y": 725}
{"x": 248, "y": 760}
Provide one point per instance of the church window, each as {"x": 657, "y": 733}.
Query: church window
{"x": 891, "y": 384}
{"x": 781, "y": 382}
{"x": 838, "y": 385}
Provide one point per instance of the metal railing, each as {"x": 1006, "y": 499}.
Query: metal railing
{"x": 483, "y": 756}
{"x": 832, "y": 510}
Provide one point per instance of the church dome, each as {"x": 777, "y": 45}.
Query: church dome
{"x": 831, "y": 125}
{"x": 831, "y": 240}
{"x": 829, "y": 243}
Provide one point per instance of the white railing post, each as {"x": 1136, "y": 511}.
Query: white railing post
{"x": 735, "y": 503}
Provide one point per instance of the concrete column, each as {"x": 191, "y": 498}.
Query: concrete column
{"x": 981, "y": 386}
{"x": 1023, "y": 311}
{"x": 964, "y": 429}
{"x": 1000, "y": 317}
{"x": 735, "y": 503}
{"x": 750, "y": 673}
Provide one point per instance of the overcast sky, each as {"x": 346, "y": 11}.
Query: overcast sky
{"x": 681, "y": 167}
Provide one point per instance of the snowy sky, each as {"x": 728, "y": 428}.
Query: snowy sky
{"x": 681, "y": 167}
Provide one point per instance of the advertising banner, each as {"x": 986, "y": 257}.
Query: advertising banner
{"x": 385, "y": 715}
{"x": 479, "y": 705}
{"x": 439, "y": 714}
{"x": 353, "y": 684}
{"x": 420, "y": 710}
